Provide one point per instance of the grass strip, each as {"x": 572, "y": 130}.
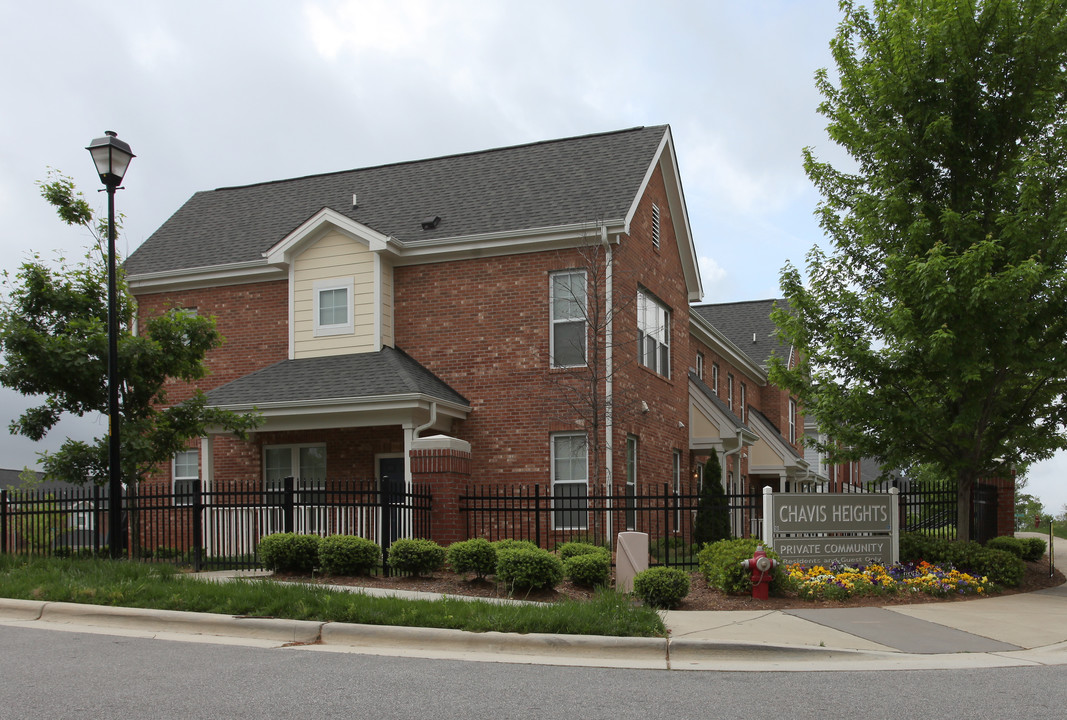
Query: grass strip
{"x": 163, "y": 587}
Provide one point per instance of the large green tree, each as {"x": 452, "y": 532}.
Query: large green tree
{"x": 53, "y": 333}
{"x": 932, "y": 330}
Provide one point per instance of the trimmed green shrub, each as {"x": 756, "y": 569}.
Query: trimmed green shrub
{"x": 1033, "y": 549}
{"x": 916, "y": 547}
{"x": 571, "y": 549}
{"x": 528, "y": 567}
{"x": 1009, "y": 544}
{"x": 348, "y": 555}
{"x": 417, "y": 556}
{"x": 289, "y": 552}
{"x": 1000, "y": 566}
{"x": 477, "y": 556}
{"x": 508, "y": 544}
{"x": 720, "y": 564}
{"x": 591, "y": 569}
{"x": 662, "y": 587}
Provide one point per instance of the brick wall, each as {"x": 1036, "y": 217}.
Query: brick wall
{"x": 253, "y": 320}
{"x": 483, "y": 326}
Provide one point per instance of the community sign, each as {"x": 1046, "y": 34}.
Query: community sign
{"x": 821, "y": 528}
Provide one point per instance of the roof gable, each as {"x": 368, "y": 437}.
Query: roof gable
{"x": 507, "y": 190}
{"x": 748, "y": 326}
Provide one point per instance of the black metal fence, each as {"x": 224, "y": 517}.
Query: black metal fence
{"x": 221, "y": 528}
{"x": 531, "y": 512}
{"x": 210, "y": 529}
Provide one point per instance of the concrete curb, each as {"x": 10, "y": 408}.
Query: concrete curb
{"x": 437, "y": 639}
{"x": 273, "y": 629}
{"x": 11, "y": 609}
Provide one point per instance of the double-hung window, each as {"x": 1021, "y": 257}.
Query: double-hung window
{"x": 715, "y": 378}
{"x": 700, "y": 365}
{"x": 568, "y": 333}
{"x": 653, "y": 334}
{"x": 185, "y": 474}
{"x": 744, "y": 404}
{"x": 730, "y": 390}
{"x": 305, "y": 463}
{"x": 333, "y": 307}
{"x": 570, "y": 481}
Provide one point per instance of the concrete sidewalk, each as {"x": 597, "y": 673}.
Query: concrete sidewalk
{"x": 1012, "y": 630}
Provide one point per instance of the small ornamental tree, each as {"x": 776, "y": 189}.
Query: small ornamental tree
{"x": 713, "y": 516}
{"x": 54, "y": 336}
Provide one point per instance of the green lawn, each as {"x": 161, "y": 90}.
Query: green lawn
{"x": 162, "y": 587}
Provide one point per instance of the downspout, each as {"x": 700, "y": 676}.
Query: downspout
{"x": 608, "y": 410}
{"x": 737, "y": 468}
{"x": 410, "y": 436}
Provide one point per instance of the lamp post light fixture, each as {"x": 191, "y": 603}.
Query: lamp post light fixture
{"x": 111, "y": 157}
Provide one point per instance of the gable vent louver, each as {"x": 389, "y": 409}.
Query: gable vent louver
{"x": 431, "y": 222}
{"x": 655, "y": 225}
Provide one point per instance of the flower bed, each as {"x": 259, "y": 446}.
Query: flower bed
{"x": 839, "y": 582}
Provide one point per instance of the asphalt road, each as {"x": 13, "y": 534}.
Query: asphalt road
{"x": 54, "y": 674}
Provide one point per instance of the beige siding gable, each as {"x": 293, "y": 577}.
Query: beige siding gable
{"x": 347, "y": 277}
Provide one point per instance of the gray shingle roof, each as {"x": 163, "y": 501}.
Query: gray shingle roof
{"x": 539, "y": 185}
{"x": 740, "y": 321}
{"x": 338, "y": 377}
{"x": 716, "y": 401}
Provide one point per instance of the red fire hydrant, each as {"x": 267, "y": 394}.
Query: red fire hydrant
{"x": 761, "y": 567}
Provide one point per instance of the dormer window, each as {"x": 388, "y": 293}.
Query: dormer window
{"x": 333, "y": 307}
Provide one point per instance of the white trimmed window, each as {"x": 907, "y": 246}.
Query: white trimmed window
{"x": 567, "y": 298}
{"x": 185, "y": 472}
{"x": 730, "y": 391}
{"x": 305, "y": 463}
{"x": 333, "y": 307}
{"x": 715, "y": 378}
{"x": 744, "y": 404}
{"x": 700, "y": 365}
{"x": 570, "y": 481}
{"x": 653, "y": 334}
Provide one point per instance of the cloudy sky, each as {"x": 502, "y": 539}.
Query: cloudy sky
{"x": 212, "y": 94}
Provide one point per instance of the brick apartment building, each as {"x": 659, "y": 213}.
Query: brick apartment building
{"x": 471, "y": 319}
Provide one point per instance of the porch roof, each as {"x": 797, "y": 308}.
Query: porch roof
{"x": 352, "y": 378}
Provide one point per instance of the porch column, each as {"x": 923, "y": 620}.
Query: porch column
{"x": 443, "y": 463}
{"x": 207, "y": 462}
{"x": 409, "y": 440}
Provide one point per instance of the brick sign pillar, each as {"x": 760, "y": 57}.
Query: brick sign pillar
{"x": 444, "y": 465}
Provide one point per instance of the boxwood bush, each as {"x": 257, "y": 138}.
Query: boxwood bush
{"x": 720, "y": 564}
{"x": 348, "y": 555}
{"x": 416, "y": 556}
{"x": 1001, "y": 566}
{"x": 572, "y": 549}
{"x": 528, "y": 567}
{"x": 1034, "y": 549}
{"x": 477, "y": 556}
{"x": 589, "y": 569}
{"x": 508, "y": 544}
{"x": 289, "y": 552}
{"x": 662, "y": 587}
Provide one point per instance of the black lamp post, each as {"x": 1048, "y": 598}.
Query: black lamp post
{"x": 112, "y": 157}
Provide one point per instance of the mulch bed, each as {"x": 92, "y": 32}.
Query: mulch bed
{"x": 700, "y": 597}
